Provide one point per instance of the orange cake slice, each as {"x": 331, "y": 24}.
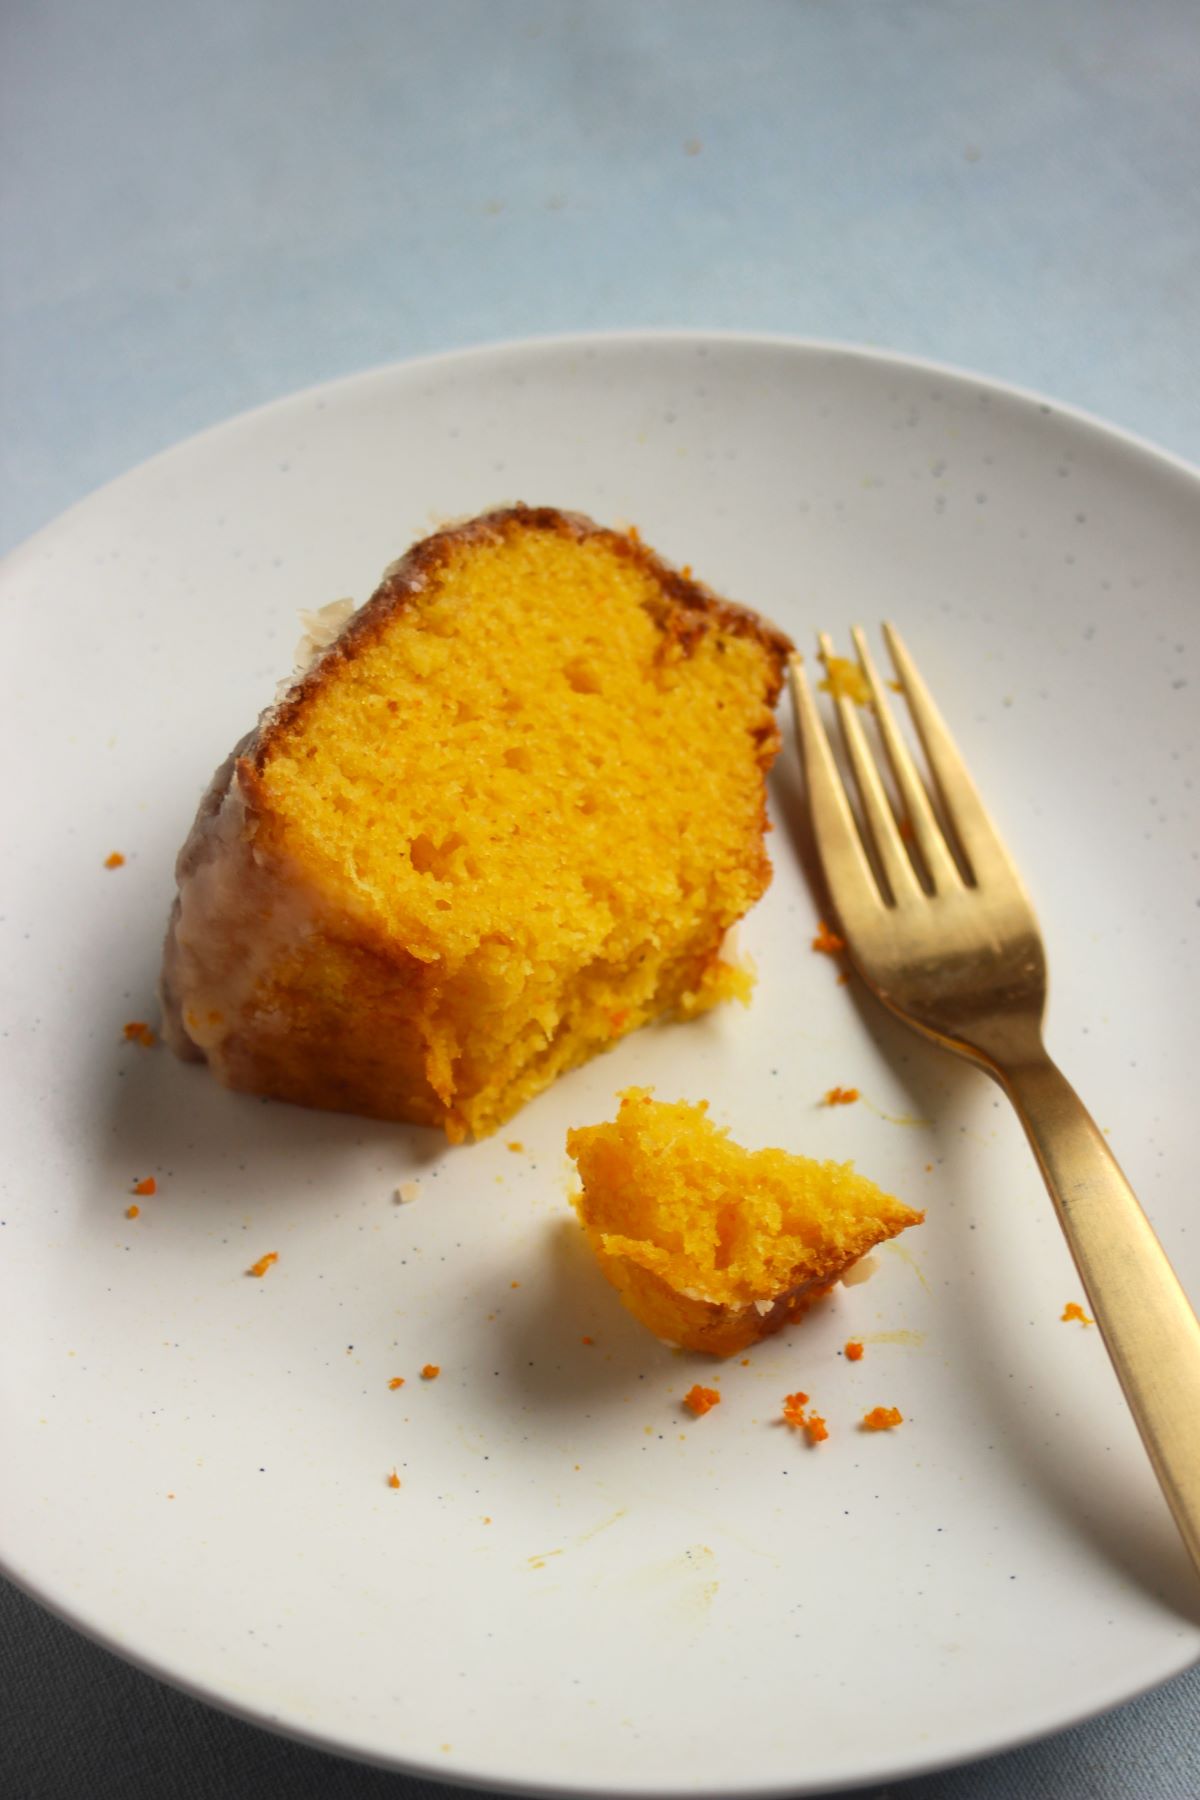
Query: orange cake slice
{"x": 710, "y": 1245}
{"x": 506, "y": 817}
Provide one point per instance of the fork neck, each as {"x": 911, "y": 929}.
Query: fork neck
{"x": 1006, "y": 1043}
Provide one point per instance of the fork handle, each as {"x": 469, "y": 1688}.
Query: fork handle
{"x": 1150, "y": 1330}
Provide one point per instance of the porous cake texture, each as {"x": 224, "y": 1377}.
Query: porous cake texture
{"x": 710, "y": 1245}
{"x": 506, "y": 817}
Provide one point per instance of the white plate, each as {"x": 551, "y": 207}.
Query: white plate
{"x": 576, "y": 1587}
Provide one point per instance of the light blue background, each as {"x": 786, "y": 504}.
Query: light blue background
{"x": 207, "y": 205}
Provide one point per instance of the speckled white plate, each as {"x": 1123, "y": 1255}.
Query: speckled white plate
{"x": 577, "y": 1587}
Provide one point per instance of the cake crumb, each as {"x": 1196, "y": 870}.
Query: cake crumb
{"x": 137, "y": 1031}
{"x": 146, "y": 1187}
{"x": 260, "y": 1268}
{"x": 133, "y": 1212}
{"x": 853, "y": 1350}
{"x": 407, "y": 1192}
{"x": 812, "y": 1424}
{"x": 515, "y": 1145}
{"x": 1073, "y": 1311}
{"x": 827, "y": 942}
{"x": 431, "y": 1371}
{"x": 840, "y": 1096}
{"x": 700, "y": 1400}
{"x": 587, "y": 1340}
{"x": 845, "y": 681}
{"x": 114, "y": 860}
{"x": 882, "y": 1418}
{"x": 393, "y": 1480}
{"x": 397, "y": 1381}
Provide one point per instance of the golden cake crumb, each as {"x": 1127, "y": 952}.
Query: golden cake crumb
{"x": 840, "y": 1096}
{"x": 710, "y": 1245}
{"x": 827, "y": 942}
{"x": 882, "y": 1418}
{"x": 114, "y": 860}
{"x": 431, "y": 1371}
{"x": 260, "y": 1268}
{"x": 145, "y": 1187}
{"x": 397, "y": 1381}
{"x": 137, "y": 1031}
{"x": 1072, "y": 1311}
{"x": 845, "y": 681}
{"x": 133, "y": 1212}
{"x": 700, "y": 1400}
{"x": 811, "y": 1423}
{"x": 853, "y": 1350}
{"x": 393, "y": 1480}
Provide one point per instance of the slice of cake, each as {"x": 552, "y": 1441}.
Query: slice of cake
{"x": 710, "y": 1245}
{"x": 508, "y": 815}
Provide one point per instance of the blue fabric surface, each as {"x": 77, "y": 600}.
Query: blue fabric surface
{"x": 205, "y": 206}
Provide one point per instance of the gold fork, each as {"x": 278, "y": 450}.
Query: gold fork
{"x": 940, "y": 928}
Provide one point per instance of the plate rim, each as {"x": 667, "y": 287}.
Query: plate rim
{"x": 619, "y": 336}
{"x": 478, "y": 353}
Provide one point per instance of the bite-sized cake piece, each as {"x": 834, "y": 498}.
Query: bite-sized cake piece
{"x": 507, "y": 816}
{"x": 710, "y": 1245}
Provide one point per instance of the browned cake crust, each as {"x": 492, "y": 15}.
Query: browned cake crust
{"x": 689, "y": 608}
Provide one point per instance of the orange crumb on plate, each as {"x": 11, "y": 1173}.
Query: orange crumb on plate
{"x": 431, "y": 1371}
{"x": 1073, "y": 1311}
{"x": 587, "y": 1340}
{"x": 397, "y": 1381}
{"x": 854, "y": 1350}
{"x": 840, "y": 1096}
{"x": 700, "y": 1400}
{"x": 138, "y": 1032}
{"x": 393, "y": 1480}
{"x": 146, "y": 1187}
{"x": 810, "y": 1423}
{"x": 514, "y": 1144}
{"x": 133, "y": 1212}
{"x": 260, "y": 1268}
{"x": 882, "y": 1418}
{"x": 114, "y": 860}
{"x": 828, "y": 942}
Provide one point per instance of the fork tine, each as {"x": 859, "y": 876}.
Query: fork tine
{"x": 848, "y": 874}
{"x": 982, "y": 847}
{"x": 940, "y": 865}
{"x": 877, "y": 811}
